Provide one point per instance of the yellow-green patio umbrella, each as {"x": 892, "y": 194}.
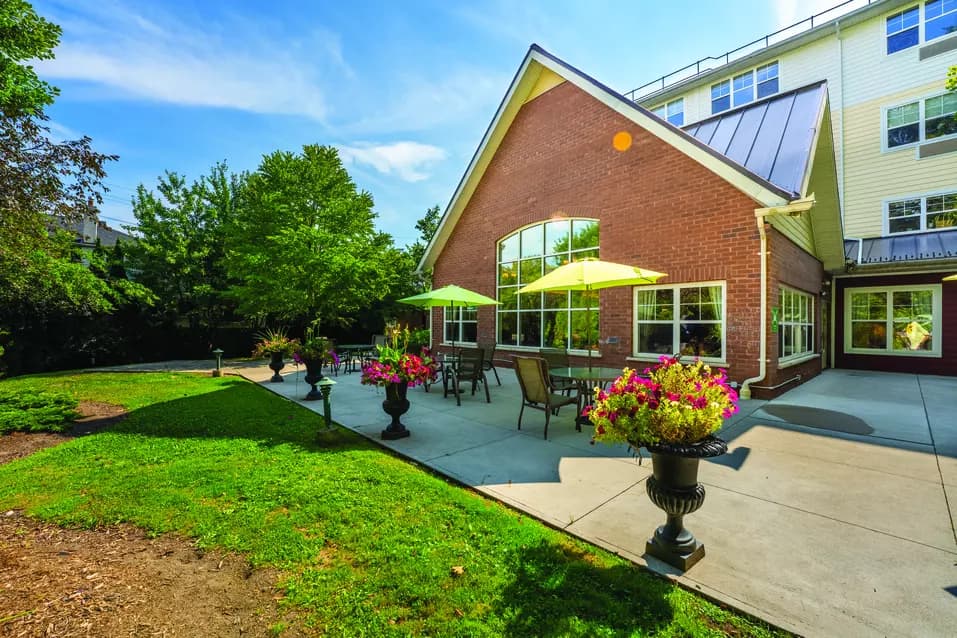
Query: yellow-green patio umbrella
{"x": 951, "y": 278}
{"x": 450, "y": 296}
{"x": 592, "y": 274}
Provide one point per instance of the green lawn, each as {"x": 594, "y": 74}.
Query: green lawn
{"x": 364, "y": 541}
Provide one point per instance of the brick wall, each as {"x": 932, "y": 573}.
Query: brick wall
{"x": 657, "y": 209}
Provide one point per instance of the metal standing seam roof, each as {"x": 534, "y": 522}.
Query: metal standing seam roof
{"x": 917, "y": 247}
{"x": 773, "y": 138}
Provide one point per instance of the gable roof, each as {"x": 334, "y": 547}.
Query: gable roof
{"x": 773, "y": 138}
{"x": 525, "y": 84}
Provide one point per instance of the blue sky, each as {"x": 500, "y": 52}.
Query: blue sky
{"x": 405, "y": 90}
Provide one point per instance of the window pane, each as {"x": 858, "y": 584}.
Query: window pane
{"x": 580, "y": 333}
{"x": 903, "y": 40}
{"x": 902, "y": 32}
{"x": 913, "y": 305}
{"x": 676, "y": 112}
{"x": 451, "y": 330}
{"x": 767, "y": 72}
{"x": 903, "y": 225}
{"x": 721, "y": 96}
{"x": 585, "y": 254}
{"x": 530, "y": 270}
{"x": 530, "y": 330}
{"x": 767, "y": 88}
{"x": 555, "y": 326}
{"x": 508, "y": 274}
{"x": 556, "y": 237}
{"x": 743, "y": 88}
{"x": 469, "y": 331}
{"x": 868, "y": 305}
{"x": 940, "y": 18}
{"x": 655, "y": 305}
{"x": 869, "y": 334}
{"x": 940, "y": 126}
{"x": 701, "y": 339}
{"x": 507, "y": 332}
{"x": 508, "y": 298}
{"x": 584, "y": 234}
{"x": 913, "y": 335}
{"x": 508, "y": 249}
{"x": 533, "y": 242}
{"x": 584, "y": 298}
{"x": 720, "y": 104}
{"x": 530, "y": 301}
{"x": 655, "y": 338}
{"x": 903, "y": 135}
{"x": 900, "y": 115}
{"x": 556, "y": 300}
{"x": 660, "y": 112}
{"x": 904, "y": 208}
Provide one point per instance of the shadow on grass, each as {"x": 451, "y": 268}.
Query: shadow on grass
{"x": 240, "y": 410}
{"x": 559, "y": 590}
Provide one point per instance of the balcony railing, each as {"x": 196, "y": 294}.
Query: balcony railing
{"x": 708, "y": 64}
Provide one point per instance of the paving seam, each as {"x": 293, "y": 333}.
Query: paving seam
{"x": 940, "y": 471}
{"x": 858, "y": 467}
{"x": 506, "y": 435}
{"x": 831, "y": 518}
{"x": 603, "y": 503}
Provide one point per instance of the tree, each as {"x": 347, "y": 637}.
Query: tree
{"x": 179, "y": 253}
{"x": 303, "y": 245}
{"x": 24, "y": 36}
{"x": 952, "y": 78}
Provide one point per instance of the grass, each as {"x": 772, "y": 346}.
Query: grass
{"x": 365, "y": 542}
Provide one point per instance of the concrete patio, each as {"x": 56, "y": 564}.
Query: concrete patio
{"x": 837, "y": 526}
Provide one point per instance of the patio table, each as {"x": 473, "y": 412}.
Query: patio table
{"x": 353, "y": 349}
{"x": 586, "y": 378}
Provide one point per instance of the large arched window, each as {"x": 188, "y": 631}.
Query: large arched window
{"x": 550, "y": 319}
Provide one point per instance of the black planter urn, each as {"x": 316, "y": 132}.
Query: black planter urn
{"x": 313, "y": 376}
{"x": 674, "y": 488}
{"x": 276, "y": 364}
{"x": 395, "y": 405}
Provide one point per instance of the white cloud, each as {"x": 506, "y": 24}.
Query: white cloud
{"x": 788, "y": 12}
{"x": 166, "y": 59}
{"x": 409, "y": 161}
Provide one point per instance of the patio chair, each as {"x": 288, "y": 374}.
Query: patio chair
{"x": 468, "y": 368}
{"x": 538, "y": 391}
{"x": 558, "y": 358}
{"x": 488, "y": 362}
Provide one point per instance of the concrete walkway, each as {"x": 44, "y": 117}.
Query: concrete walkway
{"x": 831, "y": 515}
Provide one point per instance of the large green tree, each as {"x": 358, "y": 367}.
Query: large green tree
{"x": 180, "y": 249}
{"x": 303, "y": 245}
{"x": 24, "y": 36}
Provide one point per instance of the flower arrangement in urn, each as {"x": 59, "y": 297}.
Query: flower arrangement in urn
{"x": 672, "y": 403}
{"x": 396, "y": 370}
{"x": 275, "y": 344}
{"x": 315, "y": 351}
{"x": 674, "y": 410}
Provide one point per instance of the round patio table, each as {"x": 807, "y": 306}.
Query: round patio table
{"x": 353, "y": 349}
{"x": 584, "y": 377}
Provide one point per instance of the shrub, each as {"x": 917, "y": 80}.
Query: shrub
{"x": 36, "y": 411}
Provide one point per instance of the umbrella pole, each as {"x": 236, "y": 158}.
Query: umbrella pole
{"x": 588, "y": 319}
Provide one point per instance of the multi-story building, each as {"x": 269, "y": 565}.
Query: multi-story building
{"x": 894, "y": 132}
{"x": 798, "y": 193}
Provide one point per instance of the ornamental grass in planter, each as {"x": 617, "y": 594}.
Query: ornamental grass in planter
{"x": 276, "y": 345}
{"x": 673, "y": 410}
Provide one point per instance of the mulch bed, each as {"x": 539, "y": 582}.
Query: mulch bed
{"x": 116, "y": 581}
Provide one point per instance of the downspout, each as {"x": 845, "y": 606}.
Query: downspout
{"x": 745, "y": 393}
{"x": 793, "y": 209}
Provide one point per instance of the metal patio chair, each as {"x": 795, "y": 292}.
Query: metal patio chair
{"x": 538, "y": 391}
{"x": 469, "y": 367}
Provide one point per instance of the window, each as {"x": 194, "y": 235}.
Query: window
{"x": 745, "y": 88}
{"x": 461, "y": 325}
{"x": 550, "y": 319}
{"x": 901, "y": 320}
{"x": 903, "y": 30}
{"x": 933, "y": 212}
{"x": 673, "y": 111}
{"x": 687, "y": 319}
{"x": 767, "y": 79}
{"x": 921, "y": 121}
{"x": 721, "y": 96}
{"x": 796, "y": 327}
{"x": 940, "y": 18}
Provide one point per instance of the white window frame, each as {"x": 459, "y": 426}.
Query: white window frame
{"x": 937, "y": 327}
{"x": 923, "y": 212}
{"x": 784, "y": 324}
{"x": 921, "y": 25}
{"x": 754, "y": 86}
{"x": 921, "y": 124}
{"x": 458, "y": 322}
{"x": 676, "y": 322}
{"x": 571, "y": 253}
{"x": 670, "y": 110}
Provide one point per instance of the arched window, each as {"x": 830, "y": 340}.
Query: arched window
{"x": 550, "y": 319}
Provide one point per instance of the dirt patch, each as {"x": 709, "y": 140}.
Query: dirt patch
{"x": 118, "y": 582}
{"x": 96, "y": 416}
